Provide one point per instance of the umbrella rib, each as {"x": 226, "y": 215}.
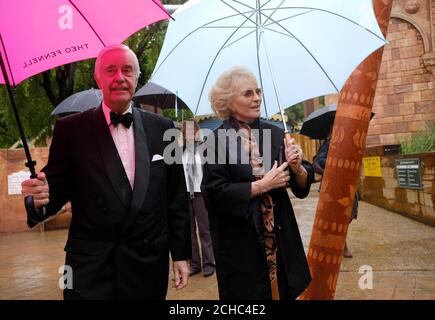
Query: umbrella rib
{"x": 7, "y": 62}
{"x": 189, "y": 34}
{"x": 163, "y": 10}
{"x": 228, "y": 27}
{"x": 286, "y": 18}
{"x": 239, "y": 12}
{"x": 281, "y": 33}
{"x": 272, "y": 78}
{"x": 252, "y": 8}
{"x": 260, "y": 74}
{"x": 257, "y": 23}
{"x": 330, "y": 12}
{"x": 84, "y": 18}
{"x": 309, "y": 52}
{"x": 300, "y": 42}
{"x": 274, "y": 10}
{"x": 212, "y": 63}
{"x": 242, "y": 37}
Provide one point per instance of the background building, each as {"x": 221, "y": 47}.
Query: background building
{"x": 405, "y": 96}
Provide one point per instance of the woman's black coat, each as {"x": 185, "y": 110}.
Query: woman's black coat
{"x": 240, "y": 257}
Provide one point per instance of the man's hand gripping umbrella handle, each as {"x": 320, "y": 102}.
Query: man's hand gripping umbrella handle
{"x": 37, "y": 215}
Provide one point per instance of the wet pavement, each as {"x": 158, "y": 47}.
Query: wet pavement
{"x": 399, "y": 251}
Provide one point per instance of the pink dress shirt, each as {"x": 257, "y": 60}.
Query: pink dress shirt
{"x": 124, "y": 142}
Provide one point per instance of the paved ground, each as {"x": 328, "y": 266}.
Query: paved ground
{"x": 400, "y": 251}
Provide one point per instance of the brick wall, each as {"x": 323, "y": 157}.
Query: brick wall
{"x": 404, "y": 100}
{"x": 384, "y": 191}
{"x": 433, "y": 23}
{"x": 405, "y": 94}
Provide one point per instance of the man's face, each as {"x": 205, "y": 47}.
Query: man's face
{"x": 117, "y": 79}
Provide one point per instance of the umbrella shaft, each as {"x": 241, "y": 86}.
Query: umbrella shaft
{"x": 283, "y": 119}
{"x": 30, "y": 162}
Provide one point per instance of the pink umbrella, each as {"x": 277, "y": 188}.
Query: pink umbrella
{"x": 39, "y": 35}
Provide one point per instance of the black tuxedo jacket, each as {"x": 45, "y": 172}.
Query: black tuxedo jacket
{"x": 119, "y": 238}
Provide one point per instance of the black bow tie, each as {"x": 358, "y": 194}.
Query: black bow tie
{"x": 126, "y": 119}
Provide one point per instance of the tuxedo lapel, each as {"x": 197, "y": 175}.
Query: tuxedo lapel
{"x": 142, "y": 167}
{"x": 110, "y": 158}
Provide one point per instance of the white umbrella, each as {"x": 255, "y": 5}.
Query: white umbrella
{"x": 298, "y": 49}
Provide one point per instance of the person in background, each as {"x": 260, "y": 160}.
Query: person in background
{"x": 258, "y": 249}
{"x": 129, "y": 208}
{"x": 198, "y": 213}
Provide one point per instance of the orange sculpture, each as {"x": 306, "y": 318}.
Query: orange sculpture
{"x": 342, "y": 170}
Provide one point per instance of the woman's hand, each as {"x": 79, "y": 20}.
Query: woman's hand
{"x": 293, "y": 155}
{"x": 277, "y": 177}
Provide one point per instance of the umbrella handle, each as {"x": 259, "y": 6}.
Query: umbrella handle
{"x": 287, "y": 137}
{"x": 35, "y": 214}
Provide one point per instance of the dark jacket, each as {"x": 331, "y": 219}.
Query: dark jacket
{"x": 119, "y": 238}
{"x": 240, "y": 257}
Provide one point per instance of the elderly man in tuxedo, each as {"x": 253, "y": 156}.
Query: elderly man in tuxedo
{"x": 129, "y": 207}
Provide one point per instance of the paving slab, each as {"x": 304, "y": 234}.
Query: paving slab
{"x": 399, "y": 251}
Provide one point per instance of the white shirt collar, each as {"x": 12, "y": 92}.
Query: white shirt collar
{"x": 106, "y": 111}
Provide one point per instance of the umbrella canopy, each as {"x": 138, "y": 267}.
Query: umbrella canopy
{"x": 78, "y": 102}
{"x": 155, "y": 95}
{"x": 39, "y": 35}
{"x": 298, "y": 49}
{"x": 319, "y": 123}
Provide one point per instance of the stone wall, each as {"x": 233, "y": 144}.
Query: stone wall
{"x": 384, "y": 191}
{"x": 405, "y": 94}
{"x": 404, "y": 100}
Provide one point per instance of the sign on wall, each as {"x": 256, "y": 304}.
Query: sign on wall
{"x": 372, "y": 166}
{"x": 408, "y": 173}
{"x": 14, "y": 181}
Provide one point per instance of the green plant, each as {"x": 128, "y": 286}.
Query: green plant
{"x": 423, "y": 141}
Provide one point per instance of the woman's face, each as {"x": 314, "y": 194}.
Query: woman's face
{"x": 247, "y": 100}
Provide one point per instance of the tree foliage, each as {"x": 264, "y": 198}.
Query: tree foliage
{"x": 422, "y": 141}
{"x": 296, "y": 112}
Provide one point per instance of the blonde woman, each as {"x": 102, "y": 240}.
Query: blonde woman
{"x": 257, "y": 245}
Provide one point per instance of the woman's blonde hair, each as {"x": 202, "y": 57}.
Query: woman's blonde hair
{"x": 222, "y": 93}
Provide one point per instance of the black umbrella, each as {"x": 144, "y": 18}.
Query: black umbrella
{"x": 318, "y": 124}
{"x": 78, "y": 102}
{"x": 157, "y": 96}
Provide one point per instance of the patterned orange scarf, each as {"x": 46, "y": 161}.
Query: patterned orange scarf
{"x": 250, "y": 146}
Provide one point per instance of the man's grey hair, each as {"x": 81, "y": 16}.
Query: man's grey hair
{"x": 116, "y": 47}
